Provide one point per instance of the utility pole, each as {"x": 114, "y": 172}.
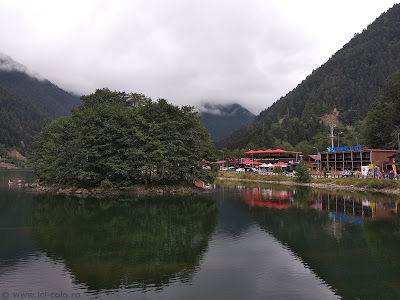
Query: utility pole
{"x": 332, "y": 136}
{"x": 338, "y": 135}
{"x": 398, "y": 139}
{"x": 223, "y": 159}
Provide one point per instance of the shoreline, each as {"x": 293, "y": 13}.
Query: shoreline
{"x": 329, "y": 186}
{"x": 140, "y": 190}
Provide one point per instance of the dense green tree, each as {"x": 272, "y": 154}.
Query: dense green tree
{"x": 118, "y": 139}
{"x": 382, "y": 123}
{"x": 306, "y": 148}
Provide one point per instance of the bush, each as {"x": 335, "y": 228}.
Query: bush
{"x": 375, "y": 184}
{"x": 302, "y": 172}
{"x": 106, "y": 184}
{"x": 362, "y": 183}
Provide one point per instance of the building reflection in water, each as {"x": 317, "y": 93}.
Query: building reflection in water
{"x": 341, "y": 207}
{"x": 270, "y": 198}
{"x": 354, "y": 209}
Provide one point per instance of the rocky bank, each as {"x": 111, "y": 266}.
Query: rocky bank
{"x": 139, "y": 190}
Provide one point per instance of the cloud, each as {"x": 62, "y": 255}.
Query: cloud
{"x": 8, "y": 64}
{"x": 188, "y": 52}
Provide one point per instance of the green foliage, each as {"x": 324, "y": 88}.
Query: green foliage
{"x": 19, "y": 119}
{"x": 283, "y": 145}
{"x": 361, "y": 183}
{"x": 302, "y": 173}
{"x": 116, "y": 139}
{"x": 382, "y": 123}
{"x": 306, "y": 148}
{"x": 3, "y": 150}
{"x": 375, "y": 184}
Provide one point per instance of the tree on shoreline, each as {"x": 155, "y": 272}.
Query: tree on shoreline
{"x": 302, "y": 173}
{"x": 119, "y": 140}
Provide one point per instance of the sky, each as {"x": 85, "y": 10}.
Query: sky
{"x": 186, "y": 51}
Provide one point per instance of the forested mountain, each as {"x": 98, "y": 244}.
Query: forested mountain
{"x": 339, "y": 92}
{"x": 220, "y": 119}
{"x": 381, "y": 126}
{"x": 19, "y": 119}
{"x": 47, "y": 97}
{"x": 28, "y": 102}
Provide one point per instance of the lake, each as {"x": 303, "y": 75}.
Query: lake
{"x": 239, "y": 241}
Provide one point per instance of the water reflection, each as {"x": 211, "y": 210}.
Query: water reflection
{"x": 130, "y": 243}
{"x": 355, "y": 208}
{"x": 351, "y": 241}
{"x": 241, "y": 242}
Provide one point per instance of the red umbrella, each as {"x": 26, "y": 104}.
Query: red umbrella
{"x": 268, "y": 151}
{"x": 280, "y": 151}
{"x": 249, "y": 162}
{"x": 258, "y": 151}
{"x": 250, "y": 152}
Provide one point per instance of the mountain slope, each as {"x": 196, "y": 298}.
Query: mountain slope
{"x": 47, "y": 97}
{"x": 343, "y": 89}
{"x": 19, "y": 119}
{"x": 27, "y": 103}
{"x": 220, "y": 120}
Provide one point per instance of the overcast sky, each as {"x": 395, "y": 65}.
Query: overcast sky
{"x": 251, "y": 52}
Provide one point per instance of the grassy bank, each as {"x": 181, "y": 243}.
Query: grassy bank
{"x": 362, "y": 183}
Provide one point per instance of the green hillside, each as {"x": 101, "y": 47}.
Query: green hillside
{"x": 44, "y": 95}
{"x": 28, "y": 102}
{"x": 339, "y": 92}
{"x": 222, "y": 119}
{"x": 19, "y": 119}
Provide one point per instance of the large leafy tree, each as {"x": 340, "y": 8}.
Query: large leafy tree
{"x": 118, "y": 140}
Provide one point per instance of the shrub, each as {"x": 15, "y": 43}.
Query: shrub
{"x": 302, "y": 173}
{"x": 362, "y": 183}
{"x": 375, "y": 184}
{"x": 106, "y": 184}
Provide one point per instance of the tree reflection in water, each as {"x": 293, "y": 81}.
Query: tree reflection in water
{"x": 111, "y": 243}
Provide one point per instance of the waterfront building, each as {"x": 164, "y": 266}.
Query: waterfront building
{"x": 352, "y": 158}
{"x": 275, "y": 156}
{"x": 313, "y": 162}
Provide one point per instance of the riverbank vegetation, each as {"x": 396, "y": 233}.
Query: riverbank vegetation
{"x": 119, "y": 140}
{"x": 10, "y": 158}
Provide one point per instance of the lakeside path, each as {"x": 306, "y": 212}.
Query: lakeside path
{"x": 327, "y": 186}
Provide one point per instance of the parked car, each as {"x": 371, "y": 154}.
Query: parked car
{"x": 231, "y": 169}
{"x": 254, "y": 170}
{"x": 240, "y": 170}
{"x": 346, "y": 173}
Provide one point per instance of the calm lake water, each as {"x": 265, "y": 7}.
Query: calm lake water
{"x": 237, "y": 242}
